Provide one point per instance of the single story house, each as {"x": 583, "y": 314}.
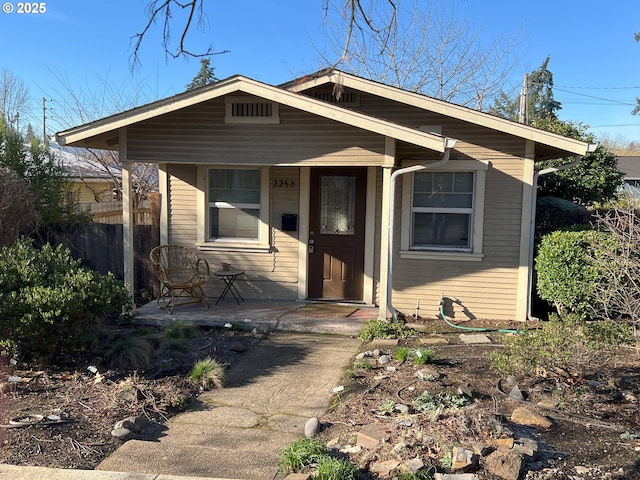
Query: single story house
{"x": 339, "y": 188}
{"x": 91, "y": 181}
{"x": 630, "y": 166}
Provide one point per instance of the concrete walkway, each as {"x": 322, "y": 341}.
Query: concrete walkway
{"x": 237, "y": 432}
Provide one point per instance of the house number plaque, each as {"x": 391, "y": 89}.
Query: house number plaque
{"x": 284, "y": 183}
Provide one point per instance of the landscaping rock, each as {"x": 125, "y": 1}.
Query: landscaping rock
{"x": 434, "y": 341}
{"x": 528, "y": 448}
{"x": 414, "y": 465}
{"x": 312, "y": 427}
{"x": 464, "y": 459}
{"x": 386, "y": 342}
{"x": 385, "y": 468}
{"x": 474, "y": 338}
{"x": 547, "y": 403}
{"x": 384, "y": 359}
{"x": 455, "y": 476}
{"x": 135, "y": 424}
{"x": 428, "y": 374}
{"x": 371, "y": 435}
{"x": 503, "y": 442}
{"x": 504, "y": 464}
{"x": 530, "y": 418}
{"x": 123, "y": 434}
{"x": 516, "y": 393}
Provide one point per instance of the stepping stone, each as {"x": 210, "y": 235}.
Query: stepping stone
{"x": 470, "y": 339}
{"x": 434, "y": 341}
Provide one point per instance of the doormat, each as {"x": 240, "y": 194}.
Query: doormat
{"x": 328, "y": 309}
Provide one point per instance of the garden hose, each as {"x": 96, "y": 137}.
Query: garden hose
{"x": 472, "y": 329}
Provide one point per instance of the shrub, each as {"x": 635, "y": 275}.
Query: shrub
{"x": 429, "y": 402}
{"x": 300, "y": 454}
{"x": 130, "y": 353}
{"x": 49, "y": 302}
{"x": 208, "y": 373}
{"x": 566, "y": 274}
{"x": 563, "y": 345}
{"x": 554, "y": 213}
{"x": 383, "y": 329}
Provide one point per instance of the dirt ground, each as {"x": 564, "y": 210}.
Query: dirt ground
{"x": 85, "y": 406}
{"x": 596, "y": 422}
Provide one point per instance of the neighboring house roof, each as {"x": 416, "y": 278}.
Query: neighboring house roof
{"x": 630, "y": 166}
{"x": 80, "y": 167}
{"x": 104, "y": 133}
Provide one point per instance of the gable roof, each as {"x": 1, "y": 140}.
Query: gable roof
{"x": 103, "y": 133}
{"x": 630, "y": 166}
{"x": 556, "y": 143}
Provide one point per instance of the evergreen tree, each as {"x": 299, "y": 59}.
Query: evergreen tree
{"x": 596, "y": 178}
{"x": 205, "y": 76}
{"x": 54, "y": 203}
{"x": 540, "y": 102}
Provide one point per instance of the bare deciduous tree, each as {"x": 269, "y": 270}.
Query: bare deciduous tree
{"x": 617, "y": 292}
{"x": 17, "y": 210}
{"x": 98, "y": 100}
{"x": 14, "y": 97}
{"x": 374, "y": 17}
{"x": 428, "y": 50}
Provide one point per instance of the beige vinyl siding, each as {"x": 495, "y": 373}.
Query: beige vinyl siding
{"x": 198, "y": 134}
{"x": 377, "y": 294}
{"x": 487, "y": 288}
{"x": 182, "y": 204}
{"x": 268, "y": 275}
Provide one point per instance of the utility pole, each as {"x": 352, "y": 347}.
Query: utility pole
{"x": 44, "y": 121}
{"x": 522, "y": 117}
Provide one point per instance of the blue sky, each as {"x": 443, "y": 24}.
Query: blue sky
{"x": 594, "y": 58}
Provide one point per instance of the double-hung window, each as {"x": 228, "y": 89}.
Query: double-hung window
{"x": 443, "y": 212}
{"x": 234, "y": 204}
{"x": 234, "y": 210}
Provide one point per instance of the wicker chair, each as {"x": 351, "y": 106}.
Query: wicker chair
{"x": 181, "y": 274}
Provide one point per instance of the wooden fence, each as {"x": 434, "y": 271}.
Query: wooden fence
{"x": 101, "y": 246}
{"x": 111, "y": 212}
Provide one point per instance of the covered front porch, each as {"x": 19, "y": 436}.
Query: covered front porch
{"x": 265, "y": 316}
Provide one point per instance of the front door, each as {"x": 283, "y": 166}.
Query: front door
{"x": 336, "y": 233}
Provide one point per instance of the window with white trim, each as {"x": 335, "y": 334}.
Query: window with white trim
{"x": 234, "y": 204}
{"x": 443, "y": 211}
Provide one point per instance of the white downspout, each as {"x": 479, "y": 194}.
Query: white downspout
{"x": 449, "y": 143}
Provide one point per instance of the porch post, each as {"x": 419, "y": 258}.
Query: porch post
{"x": 127, "y": 214}
{"x": 387, "y": 170}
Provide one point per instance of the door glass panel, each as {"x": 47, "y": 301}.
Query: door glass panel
{"x": 337, "y": 205}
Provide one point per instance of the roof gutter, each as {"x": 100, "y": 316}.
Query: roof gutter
{"x": 449, "y": 143}
{"x": 532, "y": 231}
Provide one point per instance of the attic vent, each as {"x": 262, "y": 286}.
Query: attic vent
{"x": 250, "y": 110}
{"x": 346, "y": 98}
